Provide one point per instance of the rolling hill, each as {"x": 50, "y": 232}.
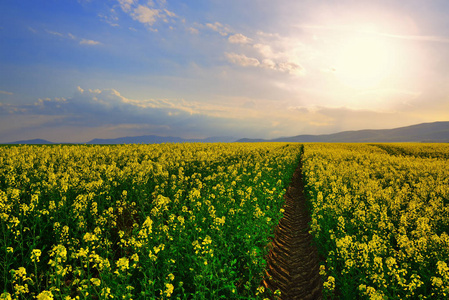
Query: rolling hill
{"x": 436, "y": 132}
{"x": 425, "y": 132}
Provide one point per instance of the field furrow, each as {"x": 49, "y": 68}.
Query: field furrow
{"x": 293, "y": 263}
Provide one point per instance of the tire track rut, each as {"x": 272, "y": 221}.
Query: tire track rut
{"x": 293, "y": 261}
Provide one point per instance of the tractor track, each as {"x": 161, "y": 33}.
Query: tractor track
{"x": 293, "y": 261}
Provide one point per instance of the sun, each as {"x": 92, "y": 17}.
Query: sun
{"x": 362, "y": 62}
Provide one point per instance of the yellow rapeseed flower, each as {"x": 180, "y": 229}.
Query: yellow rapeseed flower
{"x": 35, "y": 254}
{"x": 123, "y": 264}
{"x": 5, "y": 296}
{"x": 169, "y": 289}
{"x": 95, "y": 281}
{"x": 45, "y": 295}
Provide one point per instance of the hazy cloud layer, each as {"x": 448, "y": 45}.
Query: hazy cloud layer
{"x": 108, "y": 109}
{"x": 98, "y": 113}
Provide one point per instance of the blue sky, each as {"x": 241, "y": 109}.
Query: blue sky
{"x": 71, "y": 71}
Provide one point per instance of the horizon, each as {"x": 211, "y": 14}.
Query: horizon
{"x": 235, "y": 139}
{"x": 74, "y": 71}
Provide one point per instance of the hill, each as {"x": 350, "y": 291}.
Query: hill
{"x": 33, "y": 141}
{"x": 436, "y": 132}
{"x": 155, "y": 139}
{"x": 425, "y": 132}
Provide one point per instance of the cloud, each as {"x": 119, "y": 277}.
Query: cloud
{"x": 290, "y": 67}
{"x": 242, "y": 60}
{"x": 218, "y": 27}
{"x": 111, "y": 18}
{"x": 193, "y": 30}
{"x": 352, "y": 29}
{"x": 268, "y": 64}
{"x": 424, "y": 38}
{"x": 147, "y": 14}
{"x": 54, "y": 33}
{"x": 287, "y": 67}
{"x": 102, "y": 113}
{"x": 322, "y": 119}
{"x": 89, "y": 42}
{"x": 239, "y": 39}
{"x": 170, "y": 13}
{"x": 71, "y": 36}
{"x": 6, "y": 93}
{"x": 270, "y": 51}
{"x": 96, "y": 111}
{"x": 265, "y": 50}
{"x": 126, "y": 4}
{"x": 281, "y": 53}
{"x": 245, "y": 61}
{"x": 95, "y": 107}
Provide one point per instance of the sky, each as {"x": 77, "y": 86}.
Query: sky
{"x": 75, "y": 70}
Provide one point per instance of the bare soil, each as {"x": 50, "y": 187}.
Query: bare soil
{"x": 293, "y": 261}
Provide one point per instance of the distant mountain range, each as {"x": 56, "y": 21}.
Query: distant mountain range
{"x": 425, "y": 132}
{"x": 29, "y": 142}
{"x": 155, "y": 139}
{"x": 144, "y": 139}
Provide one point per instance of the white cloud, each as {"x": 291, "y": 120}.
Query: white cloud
{"x": 290, "y": 67}
{"x": 270, "y": 51}
{"x": 89, "y": 42}
{"x": 145, "y": 15}
{"x": 238, "y": 39}
{"x": 110, "y": 18}
{"x": 214, "y": 26}
{"x": 193, "y": 30}
{"x": 242, "y": 60}
{"x": 54, "y": 33}
{"x": 5, "y": 93}
{"x": 265, "y": 50}
{"x": 126, "y": 4}
{"x": 245, "y": 61}
{"x": 220, "y": 28}
{"x": 170, "y": 13}
{"x": 71, "y": 36}
{"x": 352, "y": 29}
{"x": 424, "y": 38}
{"x": 268, "y": 63}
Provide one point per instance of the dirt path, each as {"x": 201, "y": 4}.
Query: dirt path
{"x": 293, "y": 263}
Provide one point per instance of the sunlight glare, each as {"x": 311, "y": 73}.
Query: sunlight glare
{"x": 363, "y": 61}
